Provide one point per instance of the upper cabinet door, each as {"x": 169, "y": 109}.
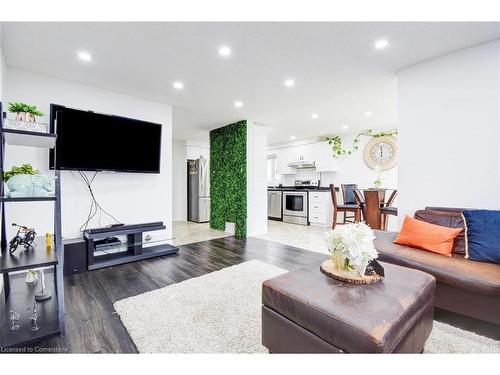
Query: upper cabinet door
{"x": 302, "y": 153}
{"x": 323, "y": 157}
{"x": 283, "y": 158}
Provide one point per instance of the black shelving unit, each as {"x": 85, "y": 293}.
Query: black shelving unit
{"x": 17, "y": 295}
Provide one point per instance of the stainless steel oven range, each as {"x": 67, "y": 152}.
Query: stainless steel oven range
{"x": 295, "y": 207}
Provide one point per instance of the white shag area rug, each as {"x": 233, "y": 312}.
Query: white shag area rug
{"x": 220, "y": 313}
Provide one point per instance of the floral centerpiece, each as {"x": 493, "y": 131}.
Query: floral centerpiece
{"x": 352, "y": 247}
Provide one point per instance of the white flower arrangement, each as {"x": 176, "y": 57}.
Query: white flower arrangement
{"x": 351, "y": 246}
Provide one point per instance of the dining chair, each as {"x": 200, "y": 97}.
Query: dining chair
{"x": 387, "y": 209}
{"x": 342, "y": 208}
{"x": 360, "y": 200}
{"x": 350, "y": 203}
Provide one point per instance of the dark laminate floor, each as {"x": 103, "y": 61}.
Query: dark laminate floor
{"x": 93, "y": 327}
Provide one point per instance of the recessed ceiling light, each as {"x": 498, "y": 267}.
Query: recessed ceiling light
{"x": 381, "y": 44}
{"x": 289, "y": 82}
{"x": 84, "y": 56}
{"x": 225, "y": 51}
{"x": 292, "y": 137}
{"x": 314, "y": 116}
{"x": 238, "y": 104}
{"x": 368, "y": 114}
{"x": 345, "y": 127}
{"x": 178, "y": 85}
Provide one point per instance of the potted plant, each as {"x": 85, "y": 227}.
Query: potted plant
{"x": 24, "y": 112}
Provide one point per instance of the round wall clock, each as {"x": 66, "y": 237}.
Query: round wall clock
{"x": 380, "y": 153}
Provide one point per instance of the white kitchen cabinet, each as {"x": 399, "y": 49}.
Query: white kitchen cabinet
{"x": 194, "y": 152}
{"x": 320, "y": 208}
{"x": 301, "y": 153}
{"x": 283, "y": 158}
{"x": 320, "y": 153}
{"x": 323, "y": 158}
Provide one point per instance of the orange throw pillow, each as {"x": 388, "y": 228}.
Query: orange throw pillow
{"x": 426, "y": 236}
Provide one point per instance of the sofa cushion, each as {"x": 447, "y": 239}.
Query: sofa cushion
{"x": 450, "y": 218}
{"x": 477, "y": 277}
{"x": 482, "y": 235}
{"x": 431, "y": 237}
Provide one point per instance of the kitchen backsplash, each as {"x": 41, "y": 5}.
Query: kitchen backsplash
{"x": 307, "y": 174}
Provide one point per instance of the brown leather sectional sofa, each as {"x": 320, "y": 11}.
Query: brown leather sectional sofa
{"x": 463, "y": 286}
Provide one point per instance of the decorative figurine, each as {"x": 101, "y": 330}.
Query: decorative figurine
{"x": 14, "y": 317}
{"x": 26, "y": 185}
{"x": 24, "y": 236}
{"x": 49, "y": 238}
{"x": 34, "y": 317}
{"x": 44, "y": 294}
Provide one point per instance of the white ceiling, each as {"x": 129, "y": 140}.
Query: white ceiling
{"x": 338, "y": 73}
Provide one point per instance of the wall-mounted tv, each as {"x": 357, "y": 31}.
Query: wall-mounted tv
{"x": 90, "y": 141}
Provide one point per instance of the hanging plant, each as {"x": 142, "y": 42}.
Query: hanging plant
{"x": 339, "y": 150}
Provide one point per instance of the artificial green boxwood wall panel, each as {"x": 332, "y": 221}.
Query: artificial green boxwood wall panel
{"x": 228, "y": 177}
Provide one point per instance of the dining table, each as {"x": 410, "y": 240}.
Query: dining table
{"x": 374, "y": 200}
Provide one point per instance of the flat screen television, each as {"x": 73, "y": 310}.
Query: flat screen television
{"x": 89, "y": 141}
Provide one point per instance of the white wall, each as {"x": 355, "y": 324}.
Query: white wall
{"x": 256, "y": 179}
{"x": 131, "y": 198}
{"x": 353, "y": 169}
{"x": 449, "y": 135}
{"x": 179, "y": 180}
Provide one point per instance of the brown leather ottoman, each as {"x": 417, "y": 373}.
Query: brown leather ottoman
{"x": 305, "y": 311}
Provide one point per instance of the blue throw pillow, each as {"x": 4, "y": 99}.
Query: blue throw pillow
{"x": 482, "y": 235}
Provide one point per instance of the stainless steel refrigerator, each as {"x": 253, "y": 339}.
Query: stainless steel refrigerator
{"x": 198, "y": 190}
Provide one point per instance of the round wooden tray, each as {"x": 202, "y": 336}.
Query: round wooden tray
{"x": 328, "y": 269}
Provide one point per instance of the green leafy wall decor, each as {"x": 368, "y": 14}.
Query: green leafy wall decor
{"x": 336, "y": 141}
{"x": 228, "y": 177}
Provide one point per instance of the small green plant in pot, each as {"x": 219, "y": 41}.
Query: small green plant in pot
{"x": 25, "y": 112}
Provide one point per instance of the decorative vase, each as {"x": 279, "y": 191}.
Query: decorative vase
{"x": 21, "y": 116}
{"x": 30, "y": 117}
{"x": 31, "y": 277}
{"x": 341, "y": 262}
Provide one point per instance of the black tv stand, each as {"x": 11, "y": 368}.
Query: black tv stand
{"x": 133, "y": 250}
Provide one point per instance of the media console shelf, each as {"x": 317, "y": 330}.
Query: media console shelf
{"x": 134, "y": 249}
